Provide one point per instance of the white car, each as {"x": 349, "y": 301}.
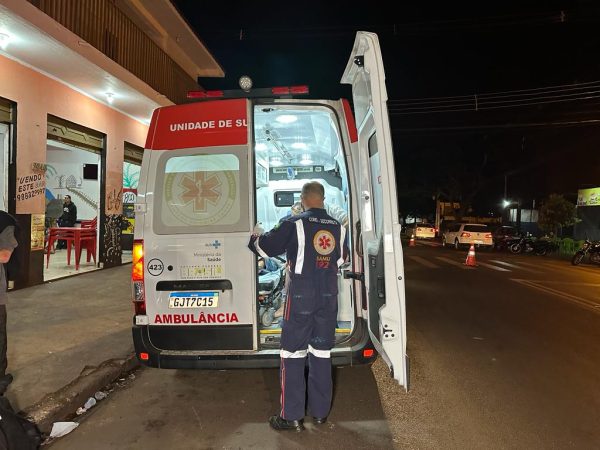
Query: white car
{"x": 421, "y": 230}
{"x": 460, "y": 234}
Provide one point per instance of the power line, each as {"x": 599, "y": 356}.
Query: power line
{"x": 485, "y": 23}
{"x": 478, "y": 128}
{"x": 560, "y": 87}
{"x": 496, "y": 100}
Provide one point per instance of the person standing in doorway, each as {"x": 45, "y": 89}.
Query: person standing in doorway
{"x": 8, "y": 243}
{"x": 68, "y": 217}
{"x": 315, "y": 247}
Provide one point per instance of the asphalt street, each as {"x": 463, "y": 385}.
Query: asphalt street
{"x": 208, "y": 409}
{"x": 504, "y": 355}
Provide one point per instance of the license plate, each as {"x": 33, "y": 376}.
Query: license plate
{"x": 193, "y": 299}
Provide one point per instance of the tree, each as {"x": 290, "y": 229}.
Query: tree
{"x": 557, "y": 212}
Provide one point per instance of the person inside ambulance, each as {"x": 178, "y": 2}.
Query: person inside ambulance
{"x": 315, "y": 246}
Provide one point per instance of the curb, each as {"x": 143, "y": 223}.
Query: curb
{"x": 59, "y": 405}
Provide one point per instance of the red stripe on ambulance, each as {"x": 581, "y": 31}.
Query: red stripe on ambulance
{"x": 203, "y": 124}
{"x": 352, "y": 131}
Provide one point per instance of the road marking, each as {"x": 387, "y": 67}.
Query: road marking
{"x": 490, "y": 266}
{"x": 514, "y": 266}
{"x": 423, "y": 261}
{"x": 451, "y": 261}
{"x": 537, "y": 265}
{"x": 587, "y": 304}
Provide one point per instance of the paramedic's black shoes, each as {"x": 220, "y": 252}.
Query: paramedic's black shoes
{"x": 280, "y": 424}
{"x": 319, "y": 420}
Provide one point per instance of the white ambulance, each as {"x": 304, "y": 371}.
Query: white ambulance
{"x": 214, "y": 168}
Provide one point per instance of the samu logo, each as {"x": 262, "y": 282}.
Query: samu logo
{"x": 216, "y": 244}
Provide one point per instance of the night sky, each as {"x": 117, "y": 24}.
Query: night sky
{"x": 431, "y": 50}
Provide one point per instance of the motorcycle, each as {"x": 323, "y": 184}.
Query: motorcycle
{"x": 528, "y": 245}
{"x": 506, "y": 242}
{"x": 589, "y": 248}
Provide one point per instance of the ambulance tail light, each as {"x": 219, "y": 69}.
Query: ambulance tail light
{"x": 299, "y": 89}
{"x": 287, "y": 90}
{"x": 137, "y": 276}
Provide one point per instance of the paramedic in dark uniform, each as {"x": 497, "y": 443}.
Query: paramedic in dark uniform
{"x": 315, "y": 246}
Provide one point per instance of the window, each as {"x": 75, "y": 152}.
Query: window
{"x": 476, "y": 228}
{"x": 200, "y": 190}
{"x": 297, "y": 143}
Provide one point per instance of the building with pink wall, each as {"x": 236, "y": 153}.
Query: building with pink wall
{"x": 62, "y": 84}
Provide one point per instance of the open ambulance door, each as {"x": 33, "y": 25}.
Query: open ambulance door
{"x": 378, "y": 204}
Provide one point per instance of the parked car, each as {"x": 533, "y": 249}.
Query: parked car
{"x": 420, "y": 230}
{"x": 460, "y": 234}
{"x": 504, "y": 237}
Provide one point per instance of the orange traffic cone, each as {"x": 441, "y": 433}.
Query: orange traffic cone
{"x": 471, "y": 257}
{"x": 412, "y": 242}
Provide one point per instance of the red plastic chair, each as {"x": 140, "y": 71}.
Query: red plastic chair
{"x": 93, "y": 223}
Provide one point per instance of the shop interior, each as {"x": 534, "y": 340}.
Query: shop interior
{"x": 71, "y": 171}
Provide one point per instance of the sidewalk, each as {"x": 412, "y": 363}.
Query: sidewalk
{"x": 58, "y": 328}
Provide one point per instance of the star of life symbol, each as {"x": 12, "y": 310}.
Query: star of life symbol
{"x": 200, "y": 189}
{"x": 324, "y": 242}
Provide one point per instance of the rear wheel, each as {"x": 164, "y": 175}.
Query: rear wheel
{"x": 541, "y": 251}
{"x": 267, "y": 317}
{"x": 456, "y": 244}
{"x": 444, "y": 243}
{"x": 516, "y": 248}
{"x": 577, "y": 258}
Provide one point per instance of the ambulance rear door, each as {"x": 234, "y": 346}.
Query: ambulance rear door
{"x": 200, "y": 277}
{"x": 378, "y": 205}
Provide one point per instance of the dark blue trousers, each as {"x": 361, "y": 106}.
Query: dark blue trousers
{"x": 308, "y": 329}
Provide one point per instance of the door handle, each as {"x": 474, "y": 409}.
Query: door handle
{"x": 359, "y": 276}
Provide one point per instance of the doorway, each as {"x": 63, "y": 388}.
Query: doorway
{"x": 132, "y": 163}
{"x": 73, "y": 198}
{"x": 4, "y": 158}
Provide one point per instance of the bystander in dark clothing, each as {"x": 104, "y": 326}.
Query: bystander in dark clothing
{"x": 8, "y": 243}
{"x": 68, "y": 217}
{"x": 315, "y": 247}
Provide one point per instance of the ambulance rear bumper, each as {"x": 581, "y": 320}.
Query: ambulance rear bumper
{"x": 347, "y": 354}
